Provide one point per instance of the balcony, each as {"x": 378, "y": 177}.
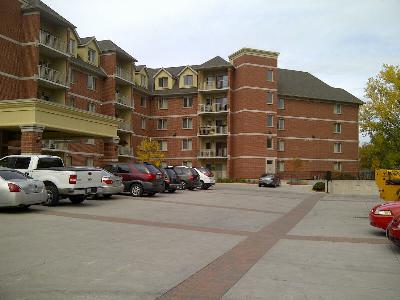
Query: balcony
{"x": 51, "y": 145}
{"x": 122, "y": 76}
{"x": 125, "y": 151}
{"x": 212, "y": 108}
{"x": 210, "y": 153}
{"x": 125, "y": 127}
{"x": 123, "y": 102}
{"x": 51, "y": 78}
{"x": 213, "y": 130}
{"x": 52, "y": 45}
{"x": 214, "y": 86}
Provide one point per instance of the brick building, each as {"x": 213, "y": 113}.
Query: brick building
{"x": 89, "y": 102}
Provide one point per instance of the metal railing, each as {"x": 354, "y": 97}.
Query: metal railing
{"x": 215, "y": 85}
{"x": 124, "y": 150}
{"x": 123, "y": 100}
{"x": 215, "y": 107}
{"x": 213, "y": 130}
{"x": 125, "y": 126}
{"x": 52, "y": 75}
{"x": 121, "y": 73}
{"x": 209, "y": 153}
{"x": 52, "y": 41}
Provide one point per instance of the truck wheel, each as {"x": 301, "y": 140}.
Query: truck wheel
{"x": 136, "y": 190}
{"x": 53, "y": 196}
{"x": 77, "y": 199}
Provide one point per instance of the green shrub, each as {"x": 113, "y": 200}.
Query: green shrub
{"x": 319, "y": 186}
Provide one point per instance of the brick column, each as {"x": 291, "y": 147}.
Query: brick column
{"x": 31, "y": 139}
{"x": 110, "y": 150}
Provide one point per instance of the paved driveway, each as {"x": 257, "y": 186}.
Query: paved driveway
{"x": 234, "y": 241}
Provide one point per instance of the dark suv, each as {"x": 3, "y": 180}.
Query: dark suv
{"x": 174, "y": 182}
{"x": 138, "y": 178}
{"x": 190, "y": 178}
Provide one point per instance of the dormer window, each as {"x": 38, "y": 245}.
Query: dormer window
{"x": 188, "y": 80}
{"x": 163, "y": 82}
{"x": 142, "y": 80}
{"x": 91, "y": 56}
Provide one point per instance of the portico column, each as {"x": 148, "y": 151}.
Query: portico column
{"x": 31, "y": 139}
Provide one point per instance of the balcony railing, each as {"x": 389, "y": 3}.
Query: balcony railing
{"x": 52, "y": 145}
{"x": 125, "y": 126}
{"x": 210, "y": 153}
{"x": 215, "y": 107}
{"x": 213, "y": 130}
{"x": 215, "y": 85}
{"x": 121, "y": 73}
{"x": 124, "y": 150}
{"x": 52, "y": 75}
{"x": 52, "y": 41}
{"x": 123, "y": 100}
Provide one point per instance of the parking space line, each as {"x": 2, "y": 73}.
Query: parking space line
{"x": 145, "y": 223}
{"x": 218, "y": 206}
{"x": 214, "y": 280}
{"x": 336, "y": 239}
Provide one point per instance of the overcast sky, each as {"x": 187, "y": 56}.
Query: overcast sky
{"x": 341, "y": 42}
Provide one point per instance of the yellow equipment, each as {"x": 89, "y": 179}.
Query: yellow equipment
{"x": 388, "y": 182}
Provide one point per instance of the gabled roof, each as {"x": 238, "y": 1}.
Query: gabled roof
{"x": 303, "y": 84}
{"x": 216, "y": 62}
{"x": 140, "y": 68}
{"x": 162, "y": 69}
{"x": 88, "y": 67}
{"x": 86, "y": 40}
{"x": 110, "y": 46}
{"x": 187, "y": 67}
{"x": 37, "y": 5}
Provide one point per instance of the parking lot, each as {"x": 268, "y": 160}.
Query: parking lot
{"x": 234, "y": 241}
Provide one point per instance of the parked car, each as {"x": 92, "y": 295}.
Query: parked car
{"x": 173, "y": 182}
{"x": 18, "y": 190}
{"x": 138, "y": 178}
{"x": 393, "y": 230}
{"x": 60, "y": 182}
{"x": 381, "y": 215}
{"x": 269, "y": 180}
{"x": 110, "y": 185}
{"x": 207, "y": 179}
{"x": 189, "y": 177}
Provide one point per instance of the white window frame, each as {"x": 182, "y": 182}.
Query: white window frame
{"x": 189, "y": 144}
{"x": 162, "y": 103}
{"x": 187, "y": 100}
{"x": 71, "y": 46}
{"x": 90, "y": 142}
{"x": 71, "y": 76}
{"x": 92, "y": 55}
{"x": 187, "y": 123}
{"x": 91, "y": 83}
{"x": 337, "y": 126}
{"x": 281, "y": 166}
{"x": 337, "y": 147}
{"x": 143, "y": 123}
{"x": 163, "y": 145}
{"x": 272, "y": 75}
{"x": 164, "y": 123}
{"x": 337, "y": 166}
{"x": 337, "y": 108}
{"x": 270, "y": 138}
{"x": 89, "y": 162}
{"x": 281, "y": 101}
{"x": 281, "y": 145}
{"x": 164, "y": 82}
{"x": 184, "y": 80}
{"x": 281, "y": 124}
{"x": 143, "y": 101}
{"x": 270, "y": 97}
{"x": 272, "y": 120}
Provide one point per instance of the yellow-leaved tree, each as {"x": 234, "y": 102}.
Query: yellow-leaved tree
{"x": 149, "y": 151}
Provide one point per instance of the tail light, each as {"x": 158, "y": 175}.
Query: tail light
{"x": 13, "y": 188}
{"x": 73, "y": 179}
{"x": 150, "y": 176}
{"x": 107, "y": 180}
{"x": 191, "y": 178}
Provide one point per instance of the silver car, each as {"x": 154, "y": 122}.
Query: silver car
{"x": 110, "y": 185}
{"x": 18, "y": 190}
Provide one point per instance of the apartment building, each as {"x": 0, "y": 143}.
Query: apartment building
{"x": 89, "y": 102}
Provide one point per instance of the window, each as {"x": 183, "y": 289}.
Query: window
{"x": 71, "y": 76}
{"x": 281, "y": 103}
{"x": 89, "y": 141}
{"x": 270, "y": 98}
{"x": 337, "y": 128}
{"x": 89, "y": 162}
{"x": 337, "y": 108}
{"x": 91, "y": 56}
{"x": 123, "y": 169}
{"x": 163, "y": 82}
{"x": 187, "y": 123}
{"x": 187, "y": 102}
{"x": 188, "y": 80}
{"x": 269, "y": 142}
{"x": 222, "y": 81}
{"x": 71, "y": 102}
{"x": 71, "y": 46}
{"x": 270, "y": 120}
{"x": 91, "y": 82}
{"x": 186, "y": 144}
{"x": 91, "y": 106}
{"x": 270, "y": 75}
{"x": 187, "y": 164}
{"x": 281, "y": 145}
{"x": 337, "y": 166}
{"x": 162, "y": 124}
{"x": 143, "y": 101}
{"x": 143, "y": 123}
{"x": 162, "y": 103}
{"x": 143, "y": 80}
{"x": 22, "y": 163}
{"x": 164, "y": 164}
{"x": 337, "y": 148}
{"x": 281, "y": 124}
{"x": 163, "y": 145}
{"x": 281, "y": 166}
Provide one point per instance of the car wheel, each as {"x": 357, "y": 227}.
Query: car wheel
{"x": 77, "y": 199}
{"x": 107, "y": 196}
{"x": 259, "y": 185}
{"x": 206, "y": 187}
{"x": 184, "y": 185}
{"x": 202, "y": 184}
{"x": 53, "y": 196}
{"x": 136, "y": 190}
{"x": 171, "y": 191}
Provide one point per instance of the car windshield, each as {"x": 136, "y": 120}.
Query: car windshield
{"x": 152, "y": 169}
{"x": 11, "y": 175}
{"x": 268, "y": 175}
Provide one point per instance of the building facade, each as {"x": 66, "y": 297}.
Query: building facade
{"x": 89, "y": 102}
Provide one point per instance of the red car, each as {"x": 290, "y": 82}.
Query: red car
{"x": 393, "y": 231}
{"x": 381, "y": 215}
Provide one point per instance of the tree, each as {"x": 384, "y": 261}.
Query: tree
{"x": 380, "y": 118}
{"x": 149, "y": 151}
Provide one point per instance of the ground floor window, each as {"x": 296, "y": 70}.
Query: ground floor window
{"x": 281, "y": 166}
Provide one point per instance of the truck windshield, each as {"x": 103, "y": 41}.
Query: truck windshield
{"x": 49, "y": 162}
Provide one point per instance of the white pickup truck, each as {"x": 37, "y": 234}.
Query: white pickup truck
{"x": 61, "y": 182}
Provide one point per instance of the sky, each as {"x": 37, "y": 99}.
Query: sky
{"x": 341, "y": 42}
